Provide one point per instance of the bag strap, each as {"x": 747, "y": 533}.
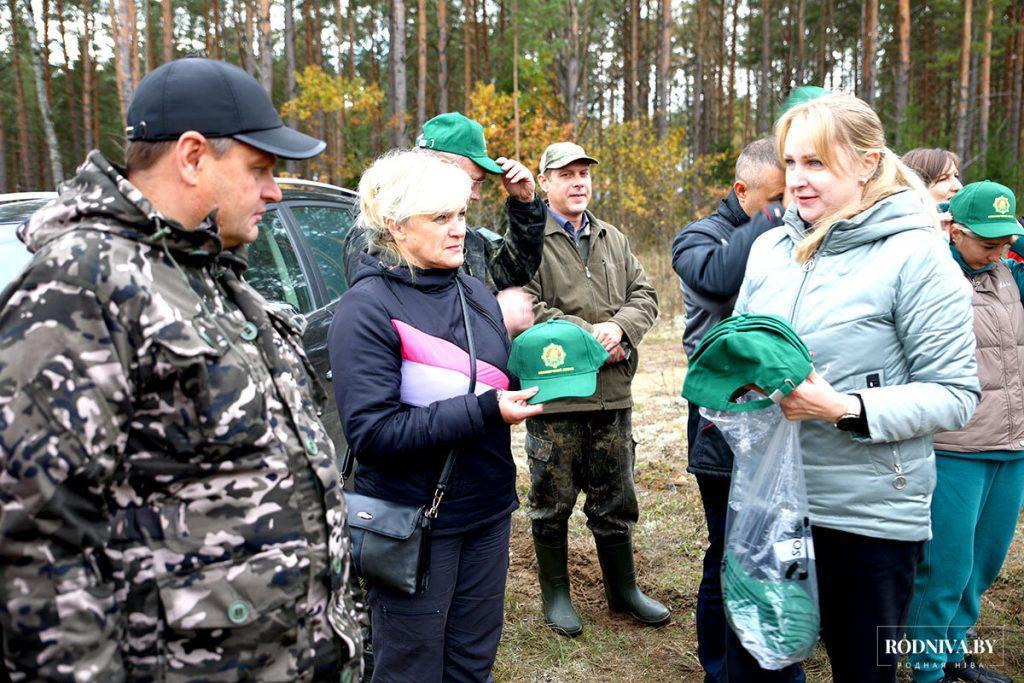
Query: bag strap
{"x": 449, "y": 463}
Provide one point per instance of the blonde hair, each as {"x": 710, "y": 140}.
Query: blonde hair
{"x": 402, "y": 184}
{"x": 844, "y": 129}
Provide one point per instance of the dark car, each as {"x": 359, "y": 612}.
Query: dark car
{"x": 297, "y": 260}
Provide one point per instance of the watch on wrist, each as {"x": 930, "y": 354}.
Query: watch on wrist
{"x": 849, "y": 420}
{"x": 498, "y": 393}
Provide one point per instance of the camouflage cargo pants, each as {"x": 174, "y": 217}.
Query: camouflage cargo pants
{"x": 591, "y": 452}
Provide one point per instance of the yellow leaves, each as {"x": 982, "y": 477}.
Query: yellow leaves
{"x": 321, "y": 92}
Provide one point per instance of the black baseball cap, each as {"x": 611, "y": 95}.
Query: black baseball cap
{"x": 215, "y": 99}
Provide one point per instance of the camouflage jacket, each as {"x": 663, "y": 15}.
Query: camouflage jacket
{"x": 169, "y": 503}
{"x": 499, "y": 262}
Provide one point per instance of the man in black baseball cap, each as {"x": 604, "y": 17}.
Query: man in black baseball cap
{"x": 186, "y": 486}
{"x": 215, "y": 99}
{"x": 203, "y": 137}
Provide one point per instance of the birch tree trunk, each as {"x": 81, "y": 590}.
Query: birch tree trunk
{"x": 442, "y": 56}
{"x": 965, "y": 83}
{"x": 986, "y": 87}
{"x": 53, "y": 153}
{"x": 266, "y": 48}
{"x": 47, "y": 76}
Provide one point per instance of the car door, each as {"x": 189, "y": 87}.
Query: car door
{"x": 319, "y": 227}
{"x": 281, "y": 267}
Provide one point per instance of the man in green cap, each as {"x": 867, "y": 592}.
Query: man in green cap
{"x": 500, "y": 262}
{"x": 588, "y": 277}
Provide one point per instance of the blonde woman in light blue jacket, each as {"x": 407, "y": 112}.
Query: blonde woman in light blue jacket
{"x": 860, "y": 271}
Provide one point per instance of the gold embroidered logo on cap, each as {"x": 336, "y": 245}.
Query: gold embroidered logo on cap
{"x": 553, "y": 356}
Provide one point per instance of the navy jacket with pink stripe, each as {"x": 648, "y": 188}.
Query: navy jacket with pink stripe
{"x": 401, "y": 378}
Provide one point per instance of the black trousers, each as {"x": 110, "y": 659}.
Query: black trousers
{"x": 449, "y": 632}
{"x": 865, "y": 586}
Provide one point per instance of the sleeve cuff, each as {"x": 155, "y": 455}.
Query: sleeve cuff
{"x": 489, "y": 407}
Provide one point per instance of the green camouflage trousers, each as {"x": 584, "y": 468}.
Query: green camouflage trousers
{"x": 591, "y": 452}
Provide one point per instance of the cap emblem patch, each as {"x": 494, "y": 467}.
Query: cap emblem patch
{"x": 553, "y": 356}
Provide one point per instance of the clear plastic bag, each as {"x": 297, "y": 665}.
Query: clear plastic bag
{"x": 769, "y": 584}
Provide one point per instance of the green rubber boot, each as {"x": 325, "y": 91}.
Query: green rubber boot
{"x": 616, "y": 556}
{"x": 552, "y": 570}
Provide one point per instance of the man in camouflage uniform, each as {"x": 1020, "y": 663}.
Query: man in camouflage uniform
{"x": 499, "y": 262}
{"x": 588, "y": 276}
{"x": 169, "y": 503}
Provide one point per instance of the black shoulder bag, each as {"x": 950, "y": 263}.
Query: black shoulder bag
{"x": 391, "y": 541}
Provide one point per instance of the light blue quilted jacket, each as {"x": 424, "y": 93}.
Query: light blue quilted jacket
{"x": 887, "y": 314}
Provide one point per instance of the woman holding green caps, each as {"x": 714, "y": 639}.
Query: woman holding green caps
{"x": 980, "y": 487}
{"x": 861, "y": 273}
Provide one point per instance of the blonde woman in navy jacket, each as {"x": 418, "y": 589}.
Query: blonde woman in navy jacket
{"x": 400, "y": 360}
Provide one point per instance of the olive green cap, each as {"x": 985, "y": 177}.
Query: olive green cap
{"x": 562, "y": 154}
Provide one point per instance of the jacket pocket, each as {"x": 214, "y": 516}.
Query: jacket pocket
{"x": 203, "y": 389}
{"x": 244, "y": 607}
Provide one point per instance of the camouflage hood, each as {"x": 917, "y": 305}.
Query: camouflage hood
{"x": 100, "y": 198}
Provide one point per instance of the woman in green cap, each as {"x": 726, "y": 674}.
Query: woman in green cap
{"x": 860, "y": 271}
{"x": 980, "y": 484}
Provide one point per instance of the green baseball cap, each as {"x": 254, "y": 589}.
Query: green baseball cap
{"x": 561, "y": 358}
{"x": 802, "y": 95}
{"x": 457, "y": 134}
{"x": 763, "y": 351}
{"x": 775, "y": 617}
{"x": 561, "y": 154}
{"x": 987, "y": 209}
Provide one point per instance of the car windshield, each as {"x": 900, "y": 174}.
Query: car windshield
{"x": 13, "y": 254}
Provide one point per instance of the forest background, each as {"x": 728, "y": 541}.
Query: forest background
{"x": 665, "y": 92}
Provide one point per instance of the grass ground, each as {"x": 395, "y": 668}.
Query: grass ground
{"x": 669, "y": 541}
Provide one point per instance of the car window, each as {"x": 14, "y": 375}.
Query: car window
{"x": 325, "y": 228}
{"x": 274, "y": 267}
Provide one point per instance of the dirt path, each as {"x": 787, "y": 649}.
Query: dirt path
{"x": 670, "y": 542}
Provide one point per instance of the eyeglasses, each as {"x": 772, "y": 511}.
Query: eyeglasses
{"x": 478, "y": 184}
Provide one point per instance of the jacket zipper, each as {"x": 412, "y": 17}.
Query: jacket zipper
{"x": 807, "y": 267}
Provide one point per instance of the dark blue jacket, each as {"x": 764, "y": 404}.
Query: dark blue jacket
{"x": 399, "y": 358}
{"x": 710, "y": 257}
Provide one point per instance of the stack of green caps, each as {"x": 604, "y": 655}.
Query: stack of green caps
{"x": 742, "y": 352}
{"x": 774, "y": 618}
